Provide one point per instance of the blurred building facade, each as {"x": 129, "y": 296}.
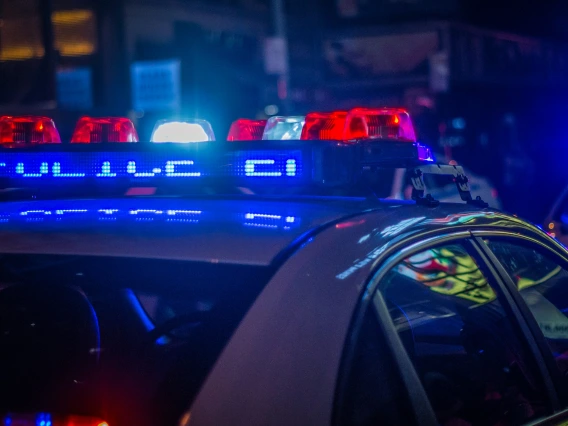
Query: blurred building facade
{"x": 484, "y": 80}
{"x": 94, "y": 44}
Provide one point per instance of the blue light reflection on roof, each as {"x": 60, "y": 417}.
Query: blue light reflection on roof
{"x": 269, "y": 221}
{"x": 109, "y": 212}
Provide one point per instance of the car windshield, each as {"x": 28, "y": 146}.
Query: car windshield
{"x": 122, "y": 339}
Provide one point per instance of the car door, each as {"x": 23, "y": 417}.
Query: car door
{"x": 459, "y": 345}
{"x": 537, "y": 277}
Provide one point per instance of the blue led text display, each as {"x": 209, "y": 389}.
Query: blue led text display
{"x": 283, "y": 164}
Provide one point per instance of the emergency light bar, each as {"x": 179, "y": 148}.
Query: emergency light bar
{"x": 318, "y": 150}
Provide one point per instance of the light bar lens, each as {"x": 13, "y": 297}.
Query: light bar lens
{"x": 246, "y": 130}
{"x": 186, "y": 131}
{"x": 284, "y": 128}
{"x": 324, "y": 126}
{"x": 383, "y": 123}
{"x": 424, "y": 153}
{"x": 27, "y": 130}
{"x": 101, "y": 130}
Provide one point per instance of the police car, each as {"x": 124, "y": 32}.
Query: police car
{"x": 257, "y": 281}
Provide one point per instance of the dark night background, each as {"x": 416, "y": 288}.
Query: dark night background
{"x": 486, "y": 81}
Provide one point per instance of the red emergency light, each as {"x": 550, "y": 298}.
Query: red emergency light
{"x": 324, "y": 126}
{"x": 15, "y": 131}
{"x": 379, "y": 123}
{"x": 101, "y": 130}
{"x": 246, "y": 130}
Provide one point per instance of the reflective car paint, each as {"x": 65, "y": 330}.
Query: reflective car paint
{"x": 248, "y": 232}
{"x": 265, "y": 374}
{"x": 241, "y": 231}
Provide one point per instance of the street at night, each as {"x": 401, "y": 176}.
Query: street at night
{"x": 283, "y": 212}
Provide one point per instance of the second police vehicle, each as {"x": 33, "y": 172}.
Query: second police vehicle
{"x": 260, "y": 281}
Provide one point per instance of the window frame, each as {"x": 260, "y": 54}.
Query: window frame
{"x": 373, "y": 299}
{"x": 561, "y": 388}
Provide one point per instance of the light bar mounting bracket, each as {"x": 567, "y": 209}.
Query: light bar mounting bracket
{"x": 460, "y": 179}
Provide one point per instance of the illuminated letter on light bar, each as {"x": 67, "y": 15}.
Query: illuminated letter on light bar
{"x": 43, "y": 169}
{"x": 170, "y": 169}
{"x": 250, "y": 168}
{"x": 105, "y": 170}
{"x": 290, "y": 167}
{"x": 131, "y": 168}
{"x": 56, "y": 170}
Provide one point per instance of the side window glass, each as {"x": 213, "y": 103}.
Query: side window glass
{"x": 468, "y": 353}
{"x": 543, "y": 284}
{"x": 374, "y": 393}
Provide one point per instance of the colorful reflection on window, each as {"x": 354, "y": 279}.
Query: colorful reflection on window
{"x": 448, "y": 270}
{"x": 526, "y": 267}
{"x": 526, "y": 281}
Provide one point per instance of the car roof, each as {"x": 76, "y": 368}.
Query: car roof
{"x": 243, "y": 230}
